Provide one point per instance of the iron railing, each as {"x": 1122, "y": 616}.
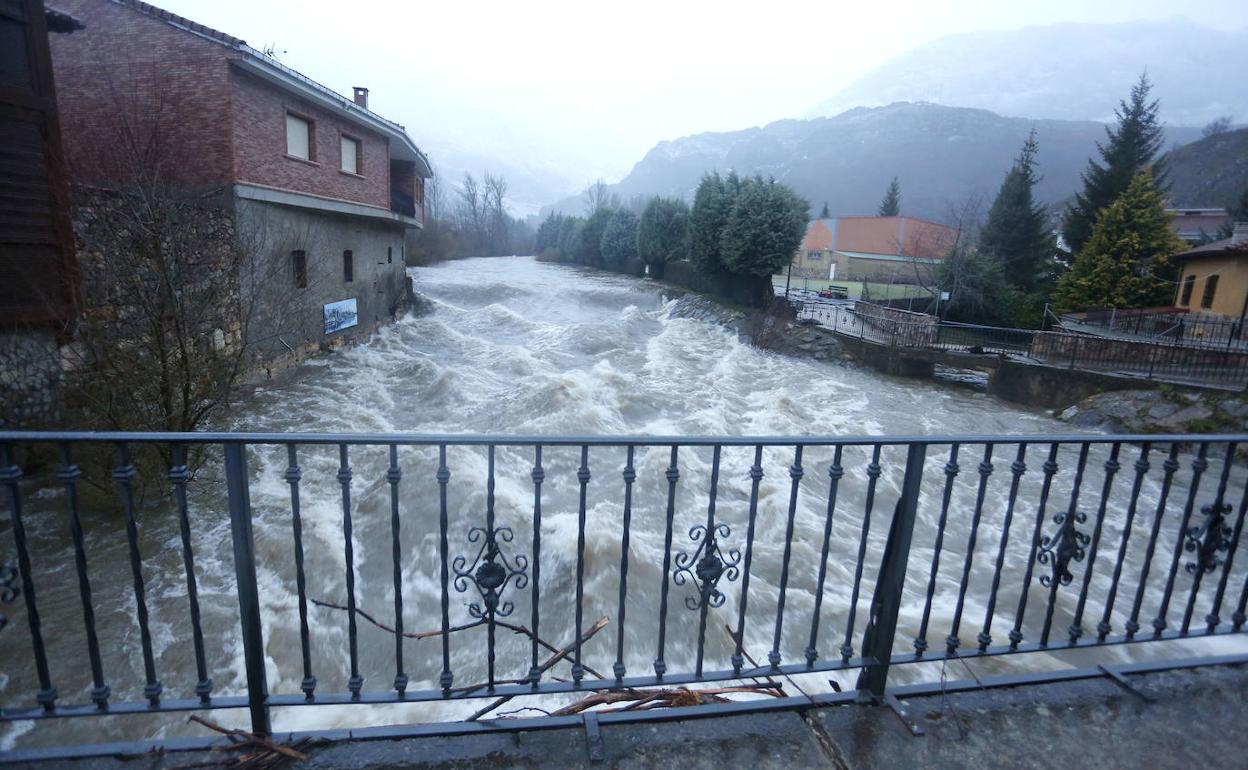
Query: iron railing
{"x": 791, "y": 556}
{"x": 1170, "y": 325}
{"x": 1166, "y": 360}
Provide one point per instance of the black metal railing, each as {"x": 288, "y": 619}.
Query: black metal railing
{"x": 1171, "y": 325}
{"x": 825, "y": 553}
{"x": 1160, "y": 359}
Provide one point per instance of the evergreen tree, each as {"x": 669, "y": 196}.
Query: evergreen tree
{"x": 1126, "y": 260}
{"x": 891, "y": 205}
{"x": 824, "y": 213}
{"x": 589, "y": 250}
{"x": 663, "y": 233}
{"x": 1130, "y": 148}
{"x": 1017, "y": 232}
{"x": 712, "y": 204}
{"x": 569, "y": 237}
{"x": 548, "y": 233}
{"x": 619, "y": 239}
{"x": 1238, "y": 213}
{"x": 764, "y": 229}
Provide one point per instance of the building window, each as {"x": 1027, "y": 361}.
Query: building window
{"x": 352, "y": 160}
{"x": 1189, "y": 283}
{"x": 1211, "y": 288}
{"x": 389, "y": 254}
{"x": 813, "y": 255}
{"x": 300, "y": 260}
{"x": 348, "y": 266}
{"x": 300, "y": 137}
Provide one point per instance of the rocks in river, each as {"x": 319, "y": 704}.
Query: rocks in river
{"x": 1167, "y": 410}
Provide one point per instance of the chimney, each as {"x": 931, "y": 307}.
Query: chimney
{"x": 1239, "y": 235}
{"x": 361, "y": 96}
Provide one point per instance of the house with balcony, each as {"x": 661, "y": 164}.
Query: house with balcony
{"x": 315, "y": 189}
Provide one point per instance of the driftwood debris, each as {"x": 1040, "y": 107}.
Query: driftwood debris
{"x": 250, "y": 751}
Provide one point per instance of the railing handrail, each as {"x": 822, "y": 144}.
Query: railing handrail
{"x": 486, "y": 439}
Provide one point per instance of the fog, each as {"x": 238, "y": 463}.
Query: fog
{"x": 557, "y": 94}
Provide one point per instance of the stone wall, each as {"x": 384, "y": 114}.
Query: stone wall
{"x": 30, "y": 379}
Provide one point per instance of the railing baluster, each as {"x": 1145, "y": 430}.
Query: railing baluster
{"x": 704, "y": 604}
{"x": 881, "y": 628}
{"x": 1111, "y": 470}
{"x": 835, "y": 473}
{"x": 238, "y": 490}
{"x": 1141, "y": 470}
{"x": 1212, "y": 620}
{"x": 124, "y": 476}
{"x": 756, "y": 476}
{"x": 673, "y": 475}
{"x": 873, "y": 475}
{"x": 629, "y": 475}
{"x": 11, "y": 476}
{"x": 293, "y": 475}
{"x": 68, "y": 474}
{"x": 1017, "y": 469}
{"x": 394, "y": 475}
{"x": 951, "y": 472}
{"x": 491, "y": 552}
{"x": 582, "y": 476}
{"x": 1049, "y": 468}
{"x": 179, "y": 474}
{"x": 444, "y": 475}
{"x": 795, "y": 474}
{"x": 1198, "y": 469}
{"x": 1072, "y": 517}
{"x": 538, "y": 475}
{"x": 1214, "y": 512}
{"x": 1169, "y": 467}
{"x": 985, "y": 470}
{"x": 356, "y": 682}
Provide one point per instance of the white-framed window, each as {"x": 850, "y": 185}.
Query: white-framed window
{"x": 299, "y": 137}
{"x": 351, "y": 159}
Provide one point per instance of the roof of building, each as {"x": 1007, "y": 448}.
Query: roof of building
{"x": 270, "y": 69}
{"x": 1235, "y": 246}
{"x": 888, "y": 257}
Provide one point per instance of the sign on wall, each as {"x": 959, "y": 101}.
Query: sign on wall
{"x": 340, "y": 315}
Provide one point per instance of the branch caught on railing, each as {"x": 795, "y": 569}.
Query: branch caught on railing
{"x": 258, "y": 752}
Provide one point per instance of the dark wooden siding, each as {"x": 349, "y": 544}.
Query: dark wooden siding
{"x": 37, "y": 267}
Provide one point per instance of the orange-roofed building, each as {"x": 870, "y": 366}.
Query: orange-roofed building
{"x": 871, "y": 248}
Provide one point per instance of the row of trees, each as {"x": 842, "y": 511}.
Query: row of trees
{"x": 469, "y": 221}
{"x": 735, "y": 236}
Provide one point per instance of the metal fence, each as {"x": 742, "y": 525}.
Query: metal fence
{"x": 715, "y": 559}
{"x": 1170, "y": 325}
{"x": 1167, "y": 360}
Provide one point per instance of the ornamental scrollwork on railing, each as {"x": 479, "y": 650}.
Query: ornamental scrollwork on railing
{"x": 490, "y": 572}
{"x": 9, "y": 589}
{"x": 706, "y": 566}
{"x": 1207, "y": 539}
{"x": 1063, "y": 547}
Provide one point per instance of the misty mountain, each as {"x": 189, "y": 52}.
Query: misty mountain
{"x": 1212, "y": 172}
{"x": 942, "y": 155}
{"x": 1066, "y": 71}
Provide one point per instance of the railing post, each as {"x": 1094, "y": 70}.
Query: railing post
{"x": 248, "y": 594}
{"x": 877, "y": 644}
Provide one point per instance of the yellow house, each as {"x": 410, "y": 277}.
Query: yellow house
{"x": 1214, "y": 278}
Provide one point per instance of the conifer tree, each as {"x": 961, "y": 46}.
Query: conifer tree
{"x": 663, "y": 233}
{"x": 764, "y": 229}
{"x": 891, "y": 205}
{"x": 824, "y": 213}
{"x": 1132, "y": 145}
{"x": 1126, "y": 261}
{"x": 711, "y": 205}
{"x": 1017, "y": 232}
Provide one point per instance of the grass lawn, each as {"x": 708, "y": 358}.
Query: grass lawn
{"x": 877, "y": 290}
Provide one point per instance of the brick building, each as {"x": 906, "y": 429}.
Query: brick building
{"x": 871, "y": 248}
{"x": 317, "y": 190}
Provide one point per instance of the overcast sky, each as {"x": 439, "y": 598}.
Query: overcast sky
{"x": 600, "y": 83}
